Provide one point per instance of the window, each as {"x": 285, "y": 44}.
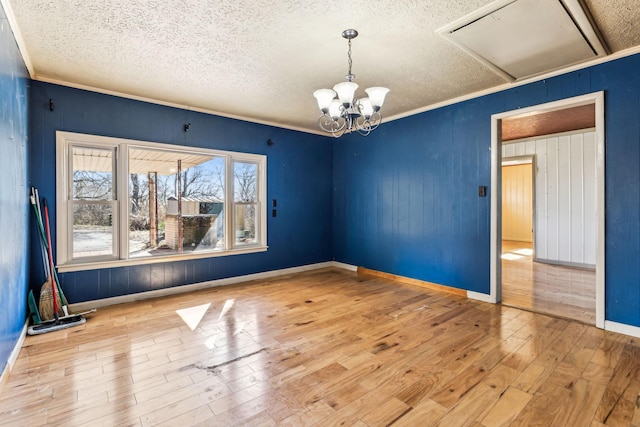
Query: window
{"x": 123, "y": 202}
{"x": 245, "y": 204}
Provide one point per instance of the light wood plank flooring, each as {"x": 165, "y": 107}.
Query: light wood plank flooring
{"x": 324, "y": 348}
{"x": 545, "y": 288}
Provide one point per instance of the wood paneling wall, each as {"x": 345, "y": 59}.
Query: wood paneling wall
{"x": 406, "y": 196}
{"x": 517, "y": 203}
{"x": 299, "y": 171}
{"x": 565, "y": 195}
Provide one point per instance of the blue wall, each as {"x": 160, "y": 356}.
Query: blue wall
{"x": 299, "y": 174}
{"x": 406, "y": 197}
{"x": 14, "y": 87}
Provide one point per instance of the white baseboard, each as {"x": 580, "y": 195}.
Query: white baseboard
{"x": 13, "y": 357}
{"x": 481, "y": 297}
{"x": 622, "y": 328}
{"x": 82, "y": 306}
{"x": 344, "y": 266}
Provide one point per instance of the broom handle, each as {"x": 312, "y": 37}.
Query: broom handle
{"x": 43, "y": 251}
{"x": 53, "y": 282}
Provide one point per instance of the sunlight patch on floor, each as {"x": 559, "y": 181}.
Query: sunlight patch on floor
{"x": 525, "y": 252}
{"x": 228, "y": 304}
{"x": 193, "y": 315}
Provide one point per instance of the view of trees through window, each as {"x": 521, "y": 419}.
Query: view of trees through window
{"x": 92, "y": 202}
{"x": 244, "y": 185}
{"x": 176, "y": 202}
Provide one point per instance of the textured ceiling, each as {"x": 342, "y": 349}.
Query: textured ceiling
{"x": 261, "y": 60}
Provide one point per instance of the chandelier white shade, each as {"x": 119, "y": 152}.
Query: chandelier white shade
{"x": 342, "y": 111}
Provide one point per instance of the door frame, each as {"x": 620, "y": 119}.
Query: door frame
{"x": 596, "y": 98}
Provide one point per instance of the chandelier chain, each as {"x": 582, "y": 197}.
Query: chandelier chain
{"x": 349, "y": 75}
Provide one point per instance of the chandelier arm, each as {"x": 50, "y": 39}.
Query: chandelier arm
{"x": 327, "y": 124}
{"x": 363, "y": 126}
{"x": 375, "y": 120}
{"x": 339, "y": 133}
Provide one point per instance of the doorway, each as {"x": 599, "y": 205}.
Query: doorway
{"x": 597, "y": 101}
{"x": 548, "y": 264}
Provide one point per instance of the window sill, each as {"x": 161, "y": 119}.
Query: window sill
{"x": 82, "y": 266}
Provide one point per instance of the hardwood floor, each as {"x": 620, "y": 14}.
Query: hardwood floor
{"x": 324, "y": 348}
{"x": 545, "y": 288}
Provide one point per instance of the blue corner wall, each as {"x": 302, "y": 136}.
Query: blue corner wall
{"x": 14, "y": 203}
{"x": 299, "y": 174}
{"x": 406, "y": 197}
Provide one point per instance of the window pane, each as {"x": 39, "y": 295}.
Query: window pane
{"x": 155, "y": 218}
{"x": 92, "y": 229}
{"x": 244, "y": 181}
{"x": 245, "y": 224}
{"x": 92, "y": 174}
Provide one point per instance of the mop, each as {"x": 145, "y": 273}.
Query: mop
{"x": 51, "y": 289}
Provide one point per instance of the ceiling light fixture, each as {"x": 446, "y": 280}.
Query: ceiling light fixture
{"x": 347, "y": 113}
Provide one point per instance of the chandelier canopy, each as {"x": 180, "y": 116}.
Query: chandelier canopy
{"x": 341, "y": 111}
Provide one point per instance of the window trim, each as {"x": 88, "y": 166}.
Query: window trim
{"x": 64, "y": 169}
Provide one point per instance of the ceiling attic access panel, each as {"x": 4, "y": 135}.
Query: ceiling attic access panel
{"x": 523, "y": 38}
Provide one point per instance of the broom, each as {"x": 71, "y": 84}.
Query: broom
{"x": 46, "y": 304}
{"x": 46, "y": 300}
{"x": 51, "y": 293}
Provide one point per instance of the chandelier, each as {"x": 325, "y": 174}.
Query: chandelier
{"x": 347, "y": 113}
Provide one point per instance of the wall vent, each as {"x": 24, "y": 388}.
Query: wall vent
{"x": 523, "y": 38}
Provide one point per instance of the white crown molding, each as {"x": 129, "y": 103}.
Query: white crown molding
{"x": 51, "y": 80}
{"x": 22, "y": 47}
{"x": 597, "y": 61}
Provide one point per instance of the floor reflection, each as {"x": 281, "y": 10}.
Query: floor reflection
{"x": 192, "y": 316}
{"x": 551, "y": 289}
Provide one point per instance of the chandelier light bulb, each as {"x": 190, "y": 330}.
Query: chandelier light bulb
{"x": 334, "y": 109}
{"x": 366, "y": 108}
{"x": 377, "y": 95}
{"x": 346, "y": 92}
{"x": 324, "y": 98}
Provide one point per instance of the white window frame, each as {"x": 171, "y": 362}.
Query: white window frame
{"x": 120, "y": 147}
{"x": 234, "y": 204}
{"x": 71, "y": 202}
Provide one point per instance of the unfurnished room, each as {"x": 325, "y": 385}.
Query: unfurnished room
{"x": 317, "y": 213}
